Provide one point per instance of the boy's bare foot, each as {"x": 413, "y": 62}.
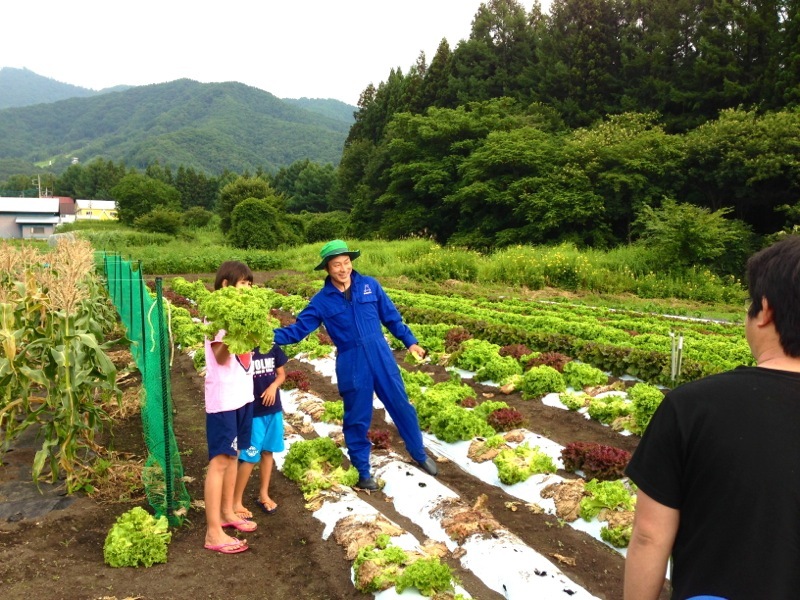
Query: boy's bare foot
{"x": 268, "y": 505}
{"x": 242, "y": 512}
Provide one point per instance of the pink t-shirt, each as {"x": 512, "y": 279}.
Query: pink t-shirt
{"x": 228, "y": 386}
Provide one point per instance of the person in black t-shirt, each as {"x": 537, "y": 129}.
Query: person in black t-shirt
{"x": 267, "y": 435}
{"x": 718, "y": 468}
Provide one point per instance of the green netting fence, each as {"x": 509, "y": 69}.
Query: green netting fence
{"x": 146, "y": 323}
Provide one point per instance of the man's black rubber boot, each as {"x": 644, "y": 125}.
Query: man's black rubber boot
{"x": 429, "y": 466}
{"x": 369, "y": 484}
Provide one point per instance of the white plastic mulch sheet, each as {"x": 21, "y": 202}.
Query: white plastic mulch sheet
{"x": 504, "y": 563}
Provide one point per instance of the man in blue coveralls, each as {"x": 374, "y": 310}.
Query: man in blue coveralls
{"x": 353, "y": 307}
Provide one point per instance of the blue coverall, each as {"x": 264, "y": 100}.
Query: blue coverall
{"x": 364, "y": 361}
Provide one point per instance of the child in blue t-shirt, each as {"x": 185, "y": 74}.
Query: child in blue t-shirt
{"x": 267, "y": 432}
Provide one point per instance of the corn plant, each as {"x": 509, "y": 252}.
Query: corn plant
{"x": 53, "y": 371}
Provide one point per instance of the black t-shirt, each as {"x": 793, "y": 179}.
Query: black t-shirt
{"x": 725, "y": 452}
{"x": 264, "y": 367}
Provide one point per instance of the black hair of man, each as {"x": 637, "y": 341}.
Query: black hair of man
{"x": 774, "y": 274}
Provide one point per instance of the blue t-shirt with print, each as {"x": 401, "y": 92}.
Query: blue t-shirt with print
{"x": 264, "y": 373}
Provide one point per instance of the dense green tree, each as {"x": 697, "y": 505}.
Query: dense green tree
{"x": 788, "y": 92}
{"x": 233, "y": 193}
{"x": 138, "y": 194}
{"x": 258, "y": 223}
{"x": 630, "y": 161}
{"x": 580, "y": 59}
{"x": 92, "y": 182}
{"x": 349, "y": 180}
{"x": 436, "y": 85}
{"x": 497, "y": 57}
{"x": 423, "y": 154}
{"x": 305, "y": 185}
{"x": 156, "y": 170}
{"x": 745, "y": 161}
{"x": 196, "y": 188}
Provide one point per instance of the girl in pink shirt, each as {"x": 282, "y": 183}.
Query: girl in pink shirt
{"x": 229, "y": 417}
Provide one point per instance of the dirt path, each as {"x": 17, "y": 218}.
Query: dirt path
{"x": 59, "y": 556}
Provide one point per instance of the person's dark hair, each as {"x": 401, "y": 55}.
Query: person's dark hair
{"x": 233, "y": 272}
{"x": 774, "y": 274}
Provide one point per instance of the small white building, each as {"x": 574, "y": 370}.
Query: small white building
{"x": 28, "y": 218}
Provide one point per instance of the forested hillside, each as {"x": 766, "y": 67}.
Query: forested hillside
{"x": 601, "y": 123}
{"x": 566, "y": 126}
{"x": 209, "y": 127}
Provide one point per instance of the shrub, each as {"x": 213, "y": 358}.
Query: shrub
{"x": 159, "y": 220}
{"x": 540, "y": 381}
{"x": 321, "y": 227}
{"x": 197, "y": 217}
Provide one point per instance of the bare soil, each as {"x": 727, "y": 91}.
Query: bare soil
{"x": 60, "y": 555}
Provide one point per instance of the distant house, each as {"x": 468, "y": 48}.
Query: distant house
{"x": 28, "y": 218}
{"x": 95, "y": 210}
{"x": 66, "y": 208}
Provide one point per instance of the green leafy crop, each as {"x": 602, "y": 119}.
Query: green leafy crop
{"x": 244, "y": 315}
{"x": 317, "y": 464}
{"x": 428, "y": 575}
{"x": 542, "y": 380}
{"x": 619, "y": 537}
{"x": 608, "y": 408}
{"x": 646, "y": 399}
{"x": 518, "y": 464}
{"x": 613, "y": 495}
{"x": 137, "y": 538}
{"x": 334, "y": 412}
{"x": 578, "y": 375}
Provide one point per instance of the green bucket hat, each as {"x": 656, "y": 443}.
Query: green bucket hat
{"x": 335, "y": 248}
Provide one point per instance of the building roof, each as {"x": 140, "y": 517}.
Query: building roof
{"x": 29, "y": 205}
{"x": 96, "y": 204}
{"x": 66, "y": 205}
{"x": 38, "y": 220}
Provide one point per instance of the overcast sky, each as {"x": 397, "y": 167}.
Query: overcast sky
{"x": 291, "y": 48}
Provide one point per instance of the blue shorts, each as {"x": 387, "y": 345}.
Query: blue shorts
{"x": 267, "y": 436}
{"x": 229, "y": 430}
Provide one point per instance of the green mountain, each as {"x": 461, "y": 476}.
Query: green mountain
{"x": 206, "y": 126}
{"x": 21, "y": 87}
{"x": 335, "y": 109}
